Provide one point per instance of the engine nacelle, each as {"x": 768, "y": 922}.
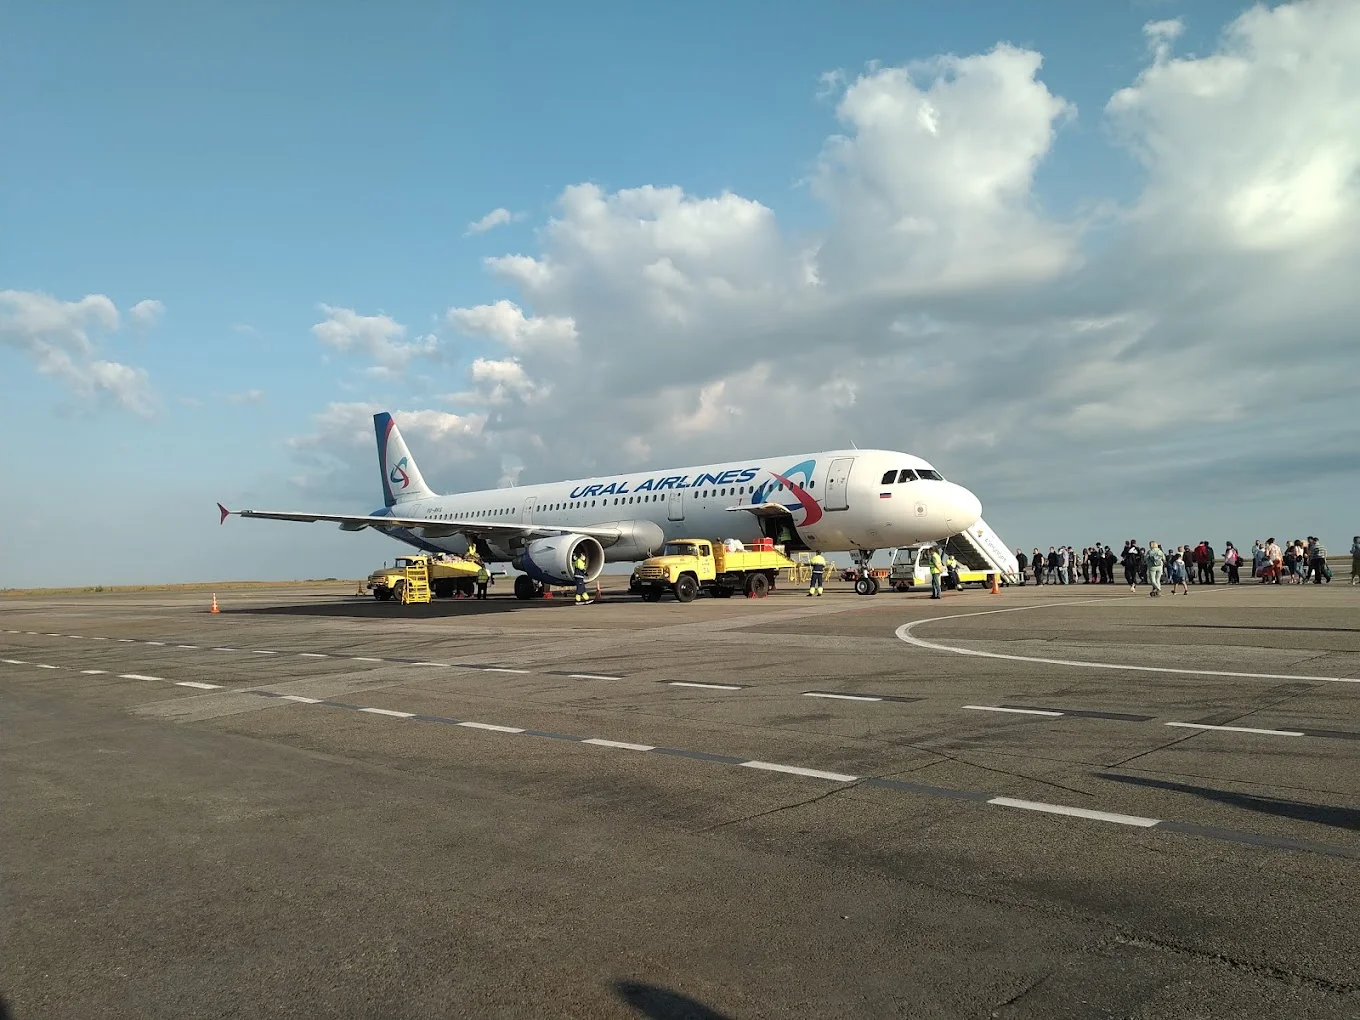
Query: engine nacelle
{"x": 637, "y": 540}
{"x": 548, "y": 560}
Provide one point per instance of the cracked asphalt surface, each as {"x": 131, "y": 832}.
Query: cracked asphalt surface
{"x": 317, "y": 805}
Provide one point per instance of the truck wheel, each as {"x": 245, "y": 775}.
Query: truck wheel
{"x": 686, "y": 589}
{"x": 757, "y": 586}
{"x": 525, "y": 588}
{"x": 399, "y": 591}
{"x": 866, "y": 586}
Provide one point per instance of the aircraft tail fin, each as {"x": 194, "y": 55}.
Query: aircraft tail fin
{"x": 401, "y": 479}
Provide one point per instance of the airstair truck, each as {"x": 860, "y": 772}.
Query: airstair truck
{"x": 981, "y": 548}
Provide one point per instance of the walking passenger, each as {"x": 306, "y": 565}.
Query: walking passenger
{"x": 1178, "y": 571}
{"x": 1037, "y": 561}
{"x": 1231, "y": 563}
{"x": 1355, "y": 560}
{"x": 1021, "y": 563}
{"x": 1155, "y": 560}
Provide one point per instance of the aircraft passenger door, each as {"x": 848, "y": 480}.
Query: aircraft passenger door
{"x": 837, "y": 484}
{"x": 676, "y": 506}
{"x": 527, "y": 514}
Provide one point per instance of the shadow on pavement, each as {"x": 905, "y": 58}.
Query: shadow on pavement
{"x": 663, "y": 1004}
{"x": 371, "y": 609}
{"x": 1338, "y": 817}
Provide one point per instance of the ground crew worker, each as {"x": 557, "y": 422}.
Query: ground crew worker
{"x": 818, "y": 574}
{"x": 578, "y": 567}
{"x": 951, "y": 567}
{"x": 936, "y": 569}
{"x": 483, "y": 579}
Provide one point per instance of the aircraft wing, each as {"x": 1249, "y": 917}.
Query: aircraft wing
{"x": 427, "y": 528}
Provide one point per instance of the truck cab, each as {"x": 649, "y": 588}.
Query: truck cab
{"x": 687, "y": 566}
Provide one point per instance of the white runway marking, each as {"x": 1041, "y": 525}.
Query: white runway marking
{"x": 224, "y": 649}
{"x": 98, "y": 638}
{"x": 592, "y": 676}
{"x": 840, "y": 697}
{"x": 186, "y": 646}
{"x": 794, "y": 770}
{"x": 600, "y": 742}
{"x": 492, "y": 727}
{"x": 94, "y": 672}
{"x": 709, "y": 687}
{"x": 364, "y": 658}
{"x": 443, "y": 664}
{"x": 138, "y": 676}
{"x": 15, "y": 662}
{"x": 54, "y": 635}
{"x": 904, "y": 632}
{"x": 502, "y": 669}
{"x": 299, "y": 697}
{"x": 158, "y": 643}
{"x": 78, "y": 637}
{"x": 1018, "y": 711}
{"x": 125, "y": 641}
{"x": 1075, "y": 812}
{"x": 1237, "y": 729}
{"x": 388, "y": 711}
{"x": 312, "y": 655}
{"x": 197, "y": 685}
{"x": 262, "y": 651}
{"x": 43, "y": 665}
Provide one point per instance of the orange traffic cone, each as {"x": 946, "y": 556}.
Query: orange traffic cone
{"x": 547, "y": 591}
{"x": 214, "y": 608}
{"x": 996, "y": 585}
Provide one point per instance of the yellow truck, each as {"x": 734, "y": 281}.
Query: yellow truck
{"x": 687, "y": 566}
{"x": 449, "y": 576}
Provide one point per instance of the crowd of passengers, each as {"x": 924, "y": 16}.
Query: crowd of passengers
{"x": 1297, "y": 562}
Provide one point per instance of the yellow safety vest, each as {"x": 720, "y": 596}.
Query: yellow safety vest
{"x": 935, "y": 566}
{"x": 819, "y": 560}
{"x": 483, "y": 576}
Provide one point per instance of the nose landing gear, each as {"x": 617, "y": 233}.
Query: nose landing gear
{"x": 866, "y": 583}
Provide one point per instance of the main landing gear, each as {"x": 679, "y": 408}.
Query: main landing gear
{"x": 527, "y": 588}
{"x": 866, "y": 583}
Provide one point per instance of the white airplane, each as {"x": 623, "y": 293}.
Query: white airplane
{"x": 854, "y": 501}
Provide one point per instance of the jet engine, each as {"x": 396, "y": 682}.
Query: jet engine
{"x": 548, "y": 560}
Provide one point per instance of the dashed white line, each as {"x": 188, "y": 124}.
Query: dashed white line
{"x": 157, "y": 643}
{"x": 78, "y": 637}
{"x": 591, "y": 676}
{"x": 794, "y": 770}
{"x": 443, "y": 664}
{"x": 262, "y": 651}
{"x": 126, "y": 641}
{"x": 98, "y": 638}
{"x": 363, "y": 658}
{"x": 1237, "y": 729}
{"x": 199, "y": 686}
{"x": 299, "y": 697}
{"x": 43, "y": 665}
{"x": 707, "y": 687}
{"x": 600, "y": 742}
{"x": 840, "y": 697}
{"x": 312, "y": 655}
{"x": 224, "y": 649}
{"x": 138, "y": 676}
{"x": 491, "y": 726}
{"x": 94, "y": 672}
{"x": 388, "y": 711}
{"x": 186, "y": 646}
{"x": 15, "y": 662}
{"x": 54, "y": 635}
{"x": 1075, "y": 812}
{"x": 502, "y": 669}
{"x": 1017, "y": 711}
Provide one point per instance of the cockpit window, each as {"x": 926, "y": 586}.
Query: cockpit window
{"x": 933, "y": 476}
{"x": 907, "y": 475}
{"x": 888, "y": 478}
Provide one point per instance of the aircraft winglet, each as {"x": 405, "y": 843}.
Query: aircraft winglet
{"x": 225, "y": 513}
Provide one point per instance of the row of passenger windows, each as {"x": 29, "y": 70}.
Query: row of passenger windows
{"x": 911, "y": 475}
{"x": 734, "y": 490}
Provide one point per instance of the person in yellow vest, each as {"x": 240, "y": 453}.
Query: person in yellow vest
{"x": 578, "y": 569}
{"x": 951, "y": 569}
{"x": 483, "y": 579}
{"x": 818, "y": 574}
{"x": 936, "y": 569}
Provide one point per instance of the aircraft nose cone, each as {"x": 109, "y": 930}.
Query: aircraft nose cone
{"x": 965, "y": 509}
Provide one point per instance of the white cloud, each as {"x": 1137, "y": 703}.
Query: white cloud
{"x": 942, "y": 309}
{"x": 495, "y": 218}
{"x": 248, "y": 397}
{"x": 145, "y": 314}
{"x": 506, "y": 322}
{"x": 380, "y": 337}
{"x": 59, "y": 338}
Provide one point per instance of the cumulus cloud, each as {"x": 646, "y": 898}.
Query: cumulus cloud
{"x": 60, "y": 338}
{"x": 495, "y": 218}
{"x": 942, "y": 309}
{"x": 145, "y": 314}
{"x": 380, "y": 337}
{"x": 506, "y": 323}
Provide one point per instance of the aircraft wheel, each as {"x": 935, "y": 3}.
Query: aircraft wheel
{"x": 525, "y": 588}
{"x": 866, "y": 586}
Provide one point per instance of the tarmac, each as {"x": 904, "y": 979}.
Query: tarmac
{"x": 1053, "y": 802}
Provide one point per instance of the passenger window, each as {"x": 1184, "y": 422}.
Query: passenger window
{"x": 889, "y": 477}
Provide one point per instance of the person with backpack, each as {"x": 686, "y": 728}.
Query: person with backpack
{"x": 1231, "y": 562}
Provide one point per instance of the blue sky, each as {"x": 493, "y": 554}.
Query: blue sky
{"x": 246, "y": 163}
